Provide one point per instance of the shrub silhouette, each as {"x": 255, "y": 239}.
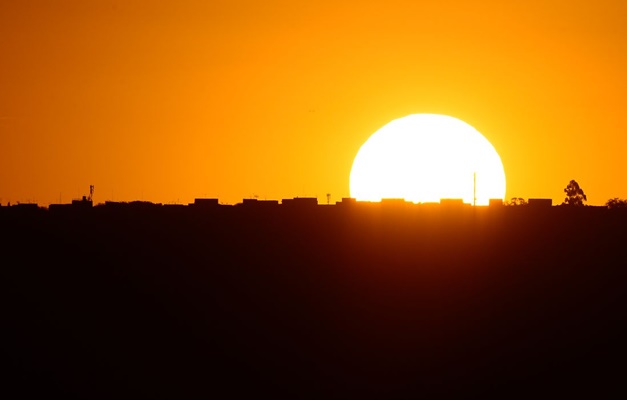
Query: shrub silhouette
{"x": 616, "y": 203}
{"x": 517, "y": 201}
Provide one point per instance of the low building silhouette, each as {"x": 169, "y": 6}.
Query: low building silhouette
{"x": 263, "y": 204}
{"x": 346, "y": 201}
{"x": 300, "y": 202}
{"x": 56, "y": 208}
{"x": 26, "y": 206}
{"x": 394, "y": 204}
{"x": 540, "y": 203}
{"x": 452, "y": 203}
{"x": 205, "y": 203}
{"x": 495, "y": 202}
{"x": 394, "y": 201}
{"x": 84, "y": 202}
{"x": 23, "y": 209}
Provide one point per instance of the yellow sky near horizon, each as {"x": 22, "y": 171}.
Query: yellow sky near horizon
{"x": 168, "y": 101}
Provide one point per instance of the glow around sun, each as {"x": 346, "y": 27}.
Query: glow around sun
{"x": 425, "y": 158}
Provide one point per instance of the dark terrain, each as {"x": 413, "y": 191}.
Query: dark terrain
{"x": 147, "y": 301}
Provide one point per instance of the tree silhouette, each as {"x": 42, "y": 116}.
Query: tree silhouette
{"x": 574, "y": 194}
{"x": 616, "y": 203}
{"x": 517, "y": 201}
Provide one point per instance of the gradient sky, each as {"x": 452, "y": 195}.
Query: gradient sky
{"x": 166, "y": 101}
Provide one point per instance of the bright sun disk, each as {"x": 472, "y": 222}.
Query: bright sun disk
{"x": 425, "y": 158}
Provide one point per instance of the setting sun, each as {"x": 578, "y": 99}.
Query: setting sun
{"x": 425, "y": 158}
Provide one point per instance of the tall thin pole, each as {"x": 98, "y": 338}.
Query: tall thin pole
{"x": 474, "y": 189}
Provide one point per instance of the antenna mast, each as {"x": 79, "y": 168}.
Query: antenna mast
{"x": 474, "y": 188}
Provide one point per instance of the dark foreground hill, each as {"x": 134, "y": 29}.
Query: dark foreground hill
{"x": 329, "y": 302}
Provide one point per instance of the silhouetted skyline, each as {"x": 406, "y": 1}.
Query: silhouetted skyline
{"x": 292, "y": 300}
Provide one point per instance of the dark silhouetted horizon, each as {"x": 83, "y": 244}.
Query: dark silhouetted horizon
{"x": 147, "y": 301}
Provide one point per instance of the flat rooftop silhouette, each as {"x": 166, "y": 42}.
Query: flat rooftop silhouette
{"x": 202, "y": 203}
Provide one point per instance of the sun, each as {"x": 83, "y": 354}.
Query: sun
{"x": 427, "y": 157}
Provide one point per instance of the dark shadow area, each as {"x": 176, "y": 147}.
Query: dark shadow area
{"x": 307, "y": 301}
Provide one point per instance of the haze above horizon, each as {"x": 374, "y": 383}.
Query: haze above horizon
{"x": 174, "y": 101}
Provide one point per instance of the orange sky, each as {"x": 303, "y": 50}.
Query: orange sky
{"x": 168, "y": 101}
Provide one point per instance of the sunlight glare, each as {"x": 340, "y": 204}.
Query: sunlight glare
{"x": 425, "y": 158}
